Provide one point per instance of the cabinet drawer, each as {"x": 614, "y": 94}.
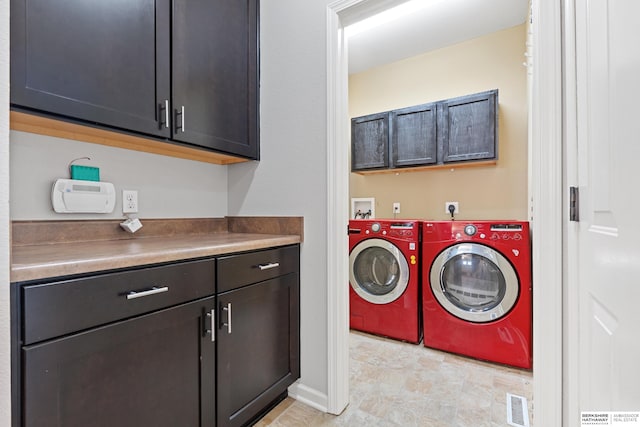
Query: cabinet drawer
{"x": 58, "y": 308}
{"x": 239, "y": 270}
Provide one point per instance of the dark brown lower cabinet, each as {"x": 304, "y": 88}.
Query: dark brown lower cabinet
{"x": 156, "y": 345}
{"x": 152, "y": 370}
{"x": 258, "y": 347}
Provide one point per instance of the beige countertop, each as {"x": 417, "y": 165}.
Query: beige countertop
{"x": 51, "y": 260}
{"x": 40, "y": 261}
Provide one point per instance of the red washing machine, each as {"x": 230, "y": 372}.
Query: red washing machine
{"x": 385, "y": 279}
{"x": 476, "y": 298}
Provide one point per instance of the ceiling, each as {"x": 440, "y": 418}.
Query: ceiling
{"x": 430, "y": 25}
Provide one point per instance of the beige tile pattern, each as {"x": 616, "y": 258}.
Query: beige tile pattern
{"x": 398, "y": 384}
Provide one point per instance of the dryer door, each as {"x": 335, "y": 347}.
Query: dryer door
{"x": 378, "y": 271}
{"x": 474, "y": 282}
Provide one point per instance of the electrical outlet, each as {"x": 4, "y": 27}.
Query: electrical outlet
{"x": 396, "y": 207}
{"x": 129, "y": 201}
{"x": 446, "y": 207}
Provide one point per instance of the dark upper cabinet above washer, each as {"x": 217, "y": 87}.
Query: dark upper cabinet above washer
{"x": 414, "y": 136}
{"x": 456, "y": 130}
{"x": 180, "y": 71}
{"x": 370, "y": 142}
{"x": 469, "y": 127}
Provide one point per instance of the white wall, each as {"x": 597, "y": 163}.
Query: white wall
{"x": 5, "y": 377}
{"x": 167, "y": 187}
{"x": 291, "y": 177}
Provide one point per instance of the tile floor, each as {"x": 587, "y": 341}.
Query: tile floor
{"x": 399, "y": 384}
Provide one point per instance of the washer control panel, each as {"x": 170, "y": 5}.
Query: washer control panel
{"x": 399, "y": 229}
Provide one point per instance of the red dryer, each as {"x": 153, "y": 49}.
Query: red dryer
{"x": 476, "y": 297}
{"x": 384, "y": 278}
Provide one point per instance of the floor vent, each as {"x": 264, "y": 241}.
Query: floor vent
{"x": 517, "y": 412}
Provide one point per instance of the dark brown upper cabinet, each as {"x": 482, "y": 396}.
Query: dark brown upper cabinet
{"x": 456, "y": 130}
{"x": 182, "y": 71}
{"x": 414, "y": 136}
{"x": 469, "y": 127}
{"x": 215, "y": 74}
{"x": 100, "y": 62}
{"x": 370, "y": 142}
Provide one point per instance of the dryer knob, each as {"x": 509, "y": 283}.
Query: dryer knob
{"x": 470, "y": 230}
{"x": 375, "y": 227}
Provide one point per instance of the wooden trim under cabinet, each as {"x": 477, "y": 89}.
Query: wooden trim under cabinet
{"x": 456, "y": 165}
{"x": 57, "y": 128}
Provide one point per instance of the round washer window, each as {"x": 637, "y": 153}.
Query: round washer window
{"x": 474, "y": 282}
{"x": 379, "y": 273}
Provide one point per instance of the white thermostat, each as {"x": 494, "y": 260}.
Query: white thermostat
{"x": 76, "y": 196}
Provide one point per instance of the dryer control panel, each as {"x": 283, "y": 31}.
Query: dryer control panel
{"x": 514, "y": 232}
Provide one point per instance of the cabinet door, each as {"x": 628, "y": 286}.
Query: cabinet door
{"x": 469, "y": 127}
{"x": 258, "y": 347}
{"x": 370, "y": 142}
{"x": 215, "y": 74}
{"x": 105, "y": 62}
{"x": 413, "y": 136}
{"x": 153, "y": 370}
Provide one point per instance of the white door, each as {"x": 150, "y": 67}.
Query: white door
{"x": 604, "y": 362}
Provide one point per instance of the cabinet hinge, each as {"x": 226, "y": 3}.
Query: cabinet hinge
{"x": 574, "y": 204}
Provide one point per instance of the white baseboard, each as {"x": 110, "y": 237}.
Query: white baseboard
{"x": 309, "y": 396}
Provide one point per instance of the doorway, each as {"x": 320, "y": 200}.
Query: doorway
{"x": 546, "y": 195}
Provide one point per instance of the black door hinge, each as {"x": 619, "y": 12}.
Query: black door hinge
{"x": 574, "y": 204}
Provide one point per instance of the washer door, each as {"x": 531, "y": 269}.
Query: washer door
{"x": 474, "y": 282}
{"x": 378, "y": 272}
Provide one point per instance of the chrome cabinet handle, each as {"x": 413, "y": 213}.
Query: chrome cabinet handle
{"x": 181, "y": 114}
{"x": 228, "y": 310}
{"x": 165, "y": 122}
{"x": 212, "y": 315}
{"x": 268, "y": 266}
{"x": 166, "y": 113}
{"x": 152, "y": 291}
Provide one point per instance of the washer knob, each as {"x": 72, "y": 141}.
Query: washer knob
{"x": 470, "y": 230}
{"x": 375, "y": 227}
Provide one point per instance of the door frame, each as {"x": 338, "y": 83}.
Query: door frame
{"x": 571, "y": 317}
{"x": 546, "y": 198}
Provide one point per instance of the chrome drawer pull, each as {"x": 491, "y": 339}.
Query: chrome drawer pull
{"x": 268, "y": 266}
{"x": 228, "y": 310}
{"x": 212, "y": 315}
{"x": 154, "y": 290}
